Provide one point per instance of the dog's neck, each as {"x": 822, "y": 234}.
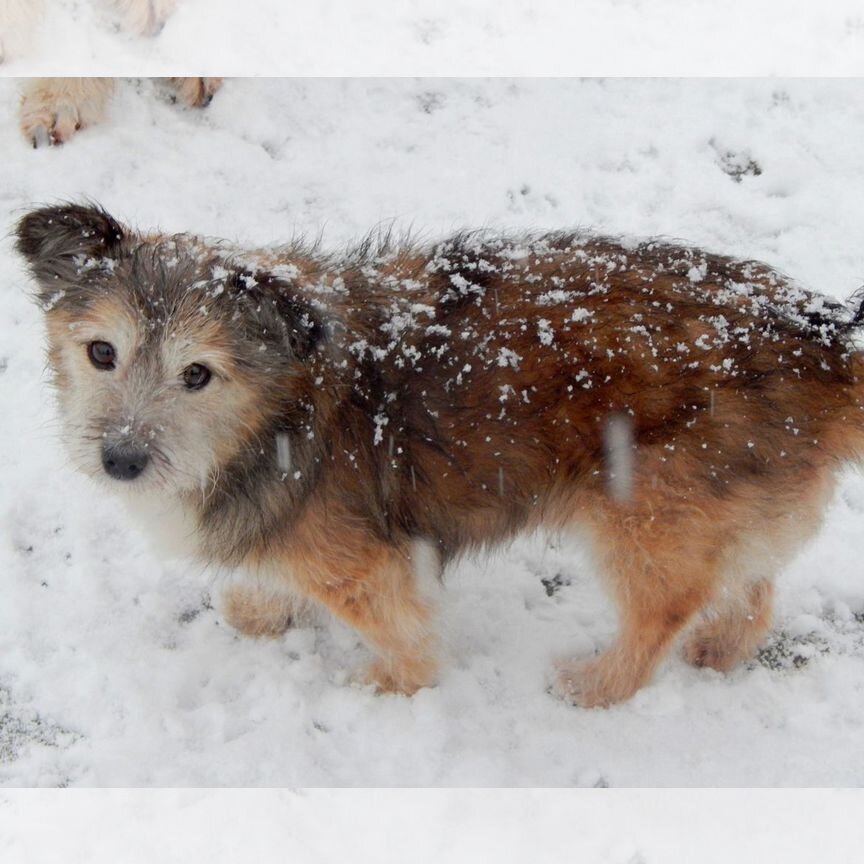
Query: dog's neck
{"x": 339, "y": 440}
{"x": 255, "y": 499}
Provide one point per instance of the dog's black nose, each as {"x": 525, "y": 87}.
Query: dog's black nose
{"x": 122, "y": 463}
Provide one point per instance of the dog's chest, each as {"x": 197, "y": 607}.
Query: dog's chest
{"x": 167, "y": 524}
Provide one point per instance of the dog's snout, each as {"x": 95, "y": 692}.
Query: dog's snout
{"x": 123, "y": 463}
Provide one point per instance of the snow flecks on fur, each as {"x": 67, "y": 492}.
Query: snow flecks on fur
{"x": 410, "y": 332}
{"x": 101, "y": 649}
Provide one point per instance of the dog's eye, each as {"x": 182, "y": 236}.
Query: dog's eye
{"x": 102, "y": 355}
{"x": 196, "y": 376}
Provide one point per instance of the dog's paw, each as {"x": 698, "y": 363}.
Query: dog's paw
{"x": 195, "y": 92}
{"x": 591, "y": 683}
{"x": 47, "y": 124}
{"x": 54, "y": 109}
{"x": 145, "y": 17}
{"x": 261, "y": 615}
{"x": 711, "y": 654}
{"x": 403, "y": 680}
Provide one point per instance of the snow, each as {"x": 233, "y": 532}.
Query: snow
{"x": 427, "y": 826}
{"x": 452, "y": 37}
{"x": 116, "y": 668}
{"x": 618, "y": 448}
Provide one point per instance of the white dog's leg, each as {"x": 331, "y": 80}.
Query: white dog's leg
{"x": 18, "y": 20}
{"x": 146, "y": 17}
{"x": 54, "y": 109}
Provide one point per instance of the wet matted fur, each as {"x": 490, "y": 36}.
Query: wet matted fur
{"x": 371, "y": 415}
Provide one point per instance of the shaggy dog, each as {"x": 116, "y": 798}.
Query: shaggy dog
{"x": 343, "y": 426}
{"x": 54, "y": 109}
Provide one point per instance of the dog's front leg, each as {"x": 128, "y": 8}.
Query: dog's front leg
{"x": 387, "y": 594}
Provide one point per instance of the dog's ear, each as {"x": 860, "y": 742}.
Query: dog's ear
{"x": 303, "y": 327}
{"x": 279, "y": 310}
{"x": 61, "y": 243}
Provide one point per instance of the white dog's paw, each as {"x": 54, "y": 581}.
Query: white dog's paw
{"x": 195, "y": 92}
{"x": 54, "y": 109}
{"x": 145, "y": 17}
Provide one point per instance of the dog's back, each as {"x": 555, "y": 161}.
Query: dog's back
{"x": 507, "y": 358}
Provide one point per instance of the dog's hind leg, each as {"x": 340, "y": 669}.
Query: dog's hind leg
{"x": 735, "y": 622}
{"x": 664, "y": 565}
{"x": 54, "y": 109}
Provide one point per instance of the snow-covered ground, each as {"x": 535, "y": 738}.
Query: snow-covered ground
{"x": 116, "y": 669}
{"x": 456, "y": 37}
{"x": 431, "y": 826}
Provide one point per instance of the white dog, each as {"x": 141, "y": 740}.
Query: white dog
{"x": 54, "y": 109}
{"x": 19, "y": 20}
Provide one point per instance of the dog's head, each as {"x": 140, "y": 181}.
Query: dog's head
{"x": 173, "y": 359}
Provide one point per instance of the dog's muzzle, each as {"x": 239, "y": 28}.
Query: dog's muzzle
{"x": 124, "y": 463}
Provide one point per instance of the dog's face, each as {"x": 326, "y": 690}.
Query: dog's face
{"x": 170, "y": 358}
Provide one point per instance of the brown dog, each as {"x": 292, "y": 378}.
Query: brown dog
{"x": 343, "y": 426}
